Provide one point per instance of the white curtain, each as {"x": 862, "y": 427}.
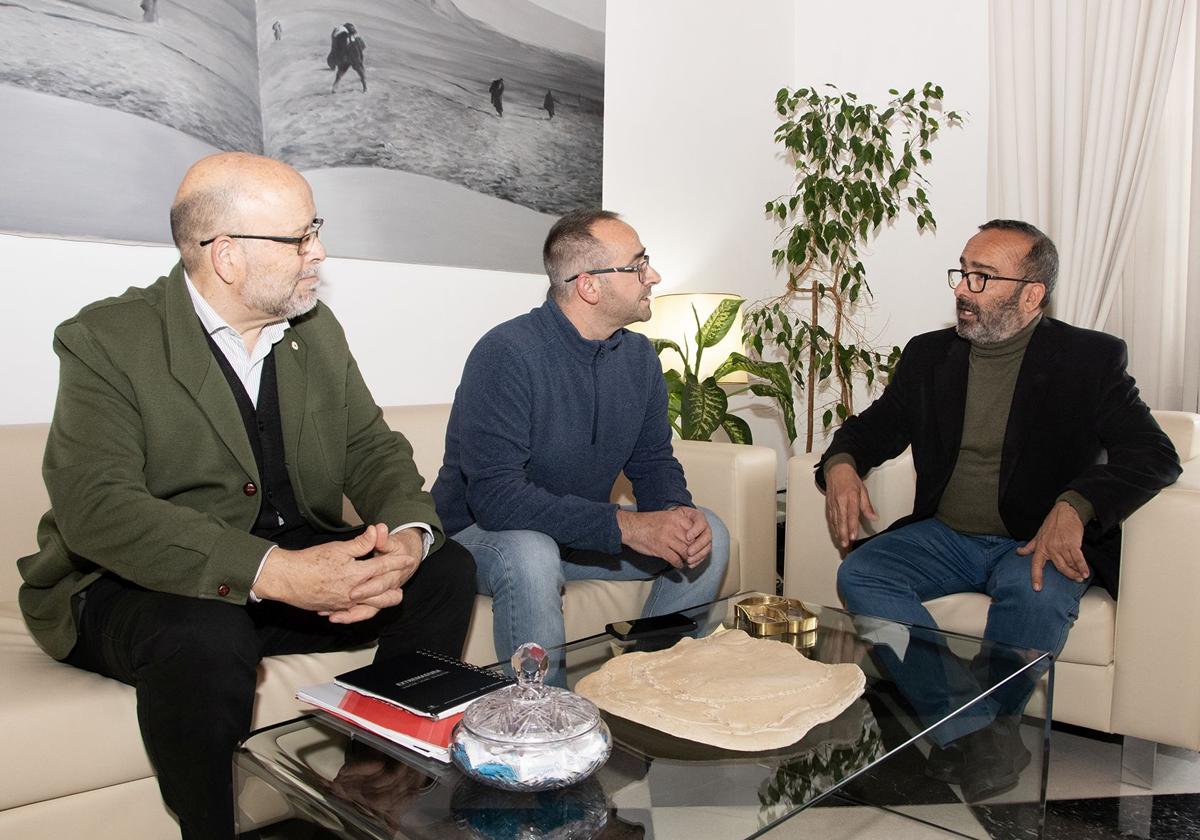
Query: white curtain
{"x": 1191, "y": 343}
{"x": 1077, "y": 94}
{"x": 1157, "y": 308}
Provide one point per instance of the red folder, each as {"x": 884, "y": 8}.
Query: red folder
{"x": 398, "y": 720}
{"x": 426, "y": 736}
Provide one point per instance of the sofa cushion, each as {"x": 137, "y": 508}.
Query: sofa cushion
{"x": 132, "y": 811}
{"x": 424, "y": 426}
{"x": 23, "y": 499}
{"x": 79, "y": 730}
{"x": 1090, "y": 642}
{"x": 68, "y": 730}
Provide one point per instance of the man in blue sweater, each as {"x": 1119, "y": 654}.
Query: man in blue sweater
{"x": 552, "y": 406}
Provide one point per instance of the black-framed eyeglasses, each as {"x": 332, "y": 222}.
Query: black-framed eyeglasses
{"x": 303, "y": 243}
{"x": 639, "y": 267}
{"x": 977, "y": 280}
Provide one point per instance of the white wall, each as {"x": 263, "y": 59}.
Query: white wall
{"x": 884, "y": 45}
{"x": 690, "y": 156}
{"x": 689, "y": 159}
{"x": 410, "y": 326}
{"x": 689, "y": 153}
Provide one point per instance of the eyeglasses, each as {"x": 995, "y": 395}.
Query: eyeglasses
{"x": 640, "y": 267}
{"x": 303, "y": 243}
{"x": 977, "y": 280}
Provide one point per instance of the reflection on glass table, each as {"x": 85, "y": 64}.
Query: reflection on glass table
{"x": 848, "y": 777}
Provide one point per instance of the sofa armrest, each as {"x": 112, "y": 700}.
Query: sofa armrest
{"x": 1156, "y": 692}
{"x": 1183, "y": 428}
{"x": 737, "y": 483}
{"x": 810, "y": 558}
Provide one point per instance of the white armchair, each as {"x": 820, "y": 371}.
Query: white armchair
{"x": 1130, "y": 667}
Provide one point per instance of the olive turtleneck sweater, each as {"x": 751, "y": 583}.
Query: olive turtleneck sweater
{"x": 970, "y": 503}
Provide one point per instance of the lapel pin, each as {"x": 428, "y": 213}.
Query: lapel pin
{"x": 295, "y": 346}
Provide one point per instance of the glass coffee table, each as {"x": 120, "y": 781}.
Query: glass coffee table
{"x": 863, "y": 774}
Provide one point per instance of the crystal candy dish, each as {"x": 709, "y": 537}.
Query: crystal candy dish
{"x": 530, "y": 736}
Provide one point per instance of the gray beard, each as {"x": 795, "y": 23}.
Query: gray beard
{"x": 991, "y": 328}
{"x": 296, "y": 308}
{"x": 285, "y": 308}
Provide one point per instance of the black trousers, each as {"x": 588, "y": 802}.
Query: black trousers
{"x": 194, "y": 665}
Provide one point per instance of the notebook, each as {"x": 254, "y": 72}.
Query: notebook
{"x": 424, "y": 683}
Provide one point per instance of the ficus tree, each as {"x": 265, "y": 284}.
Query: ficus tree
{"x": 857, "y": 168}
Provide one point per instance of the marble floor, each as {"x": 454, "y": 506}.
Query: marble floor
{"x": 1088, "y": 801}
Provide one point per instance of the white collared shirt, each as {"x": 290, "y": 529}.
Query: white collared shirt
{"x": 247, "y": 365}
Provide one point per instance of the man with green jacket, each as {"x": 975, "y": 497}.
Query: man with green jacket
{"x": 206, "y": 429}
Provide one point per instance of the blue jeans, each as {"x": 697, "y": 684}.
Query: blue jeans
{"x": 890, "y": 575}
{"x": 525, "y": 571}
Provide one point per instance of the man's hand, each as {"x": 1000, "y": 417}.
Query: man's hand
{"x": 383, "y": 590}
{"x": 1059, "y": 540}
{"x": 680, "y": 536}
{"x": 846, "y": 500}
{"x": 406, "y": 548}
{"x": 699, "y": 537}
{"x": 327, "y": 578}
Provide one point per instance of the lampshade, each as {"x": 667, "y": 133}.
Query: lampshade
{"x": 673, "y": 319}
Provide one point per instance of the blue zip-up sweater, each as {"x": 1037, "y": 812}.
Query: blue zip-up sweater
{"x": 544, "y": 421}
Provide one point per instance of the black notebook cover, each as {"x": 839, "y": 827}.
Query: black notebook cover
{"x": 425, "y": 683}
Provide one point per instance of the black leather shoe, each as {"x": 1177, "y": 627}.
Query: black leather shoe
{"x": 945, "y": 764}
{"x": 993, "y": 759}
{"x": 1008, "y": 733}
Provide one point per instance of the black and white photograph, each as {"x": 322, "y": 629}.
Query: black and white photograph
{"x": 448, "y": 132}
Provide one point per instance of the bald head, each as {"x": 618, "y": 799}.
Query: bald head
{"x": 228, "y": 193}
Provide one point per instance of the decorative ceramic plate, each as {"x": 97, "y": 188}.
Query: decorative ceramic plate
{"x": 727, "y": 690}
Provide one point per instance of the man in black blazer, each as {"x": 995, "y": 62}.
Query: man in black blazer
{"x": 1030, "y": 445}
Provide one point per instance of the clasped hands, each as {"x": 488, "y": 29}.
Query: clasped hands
{"x": 1059, "y": 540}
{"x": 680, "y": 536}
{"x": 330, "y": 579}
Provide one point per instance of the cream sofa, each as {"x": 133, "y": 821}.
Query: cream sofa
{"x": 1130, "y": 667}
{"x": 73, "y": 763}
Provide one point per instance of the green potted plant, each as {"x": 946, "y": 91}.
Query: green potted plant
{"x": 699, "y": 406}
{"x": 857, "y": 166}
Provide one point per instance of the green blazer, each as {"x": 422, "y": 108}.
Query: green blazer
{"x": 147, "y": 456}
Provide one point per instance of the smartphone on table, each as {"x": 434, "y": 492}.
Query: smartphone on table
{"x": 640, "y": 628}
